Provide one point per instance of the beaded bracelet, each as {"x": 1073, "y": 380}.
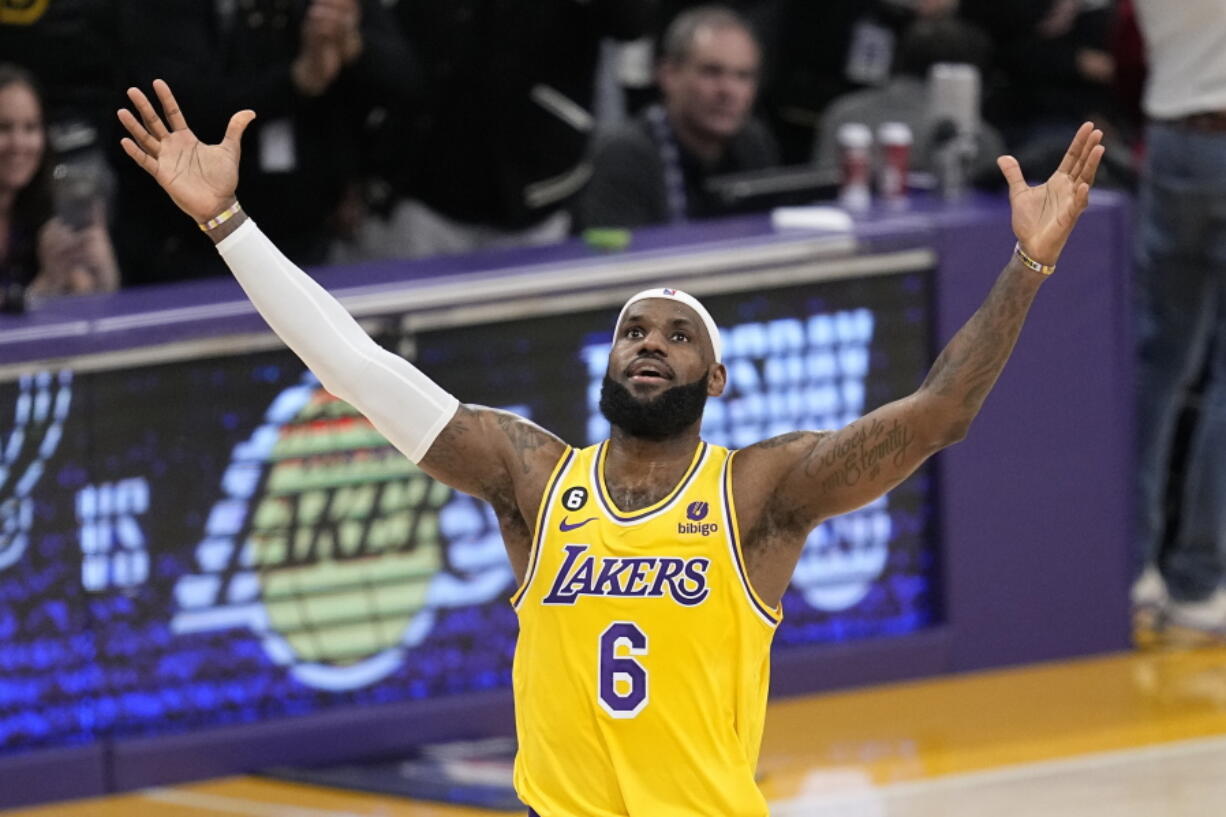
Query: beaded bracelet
{"x": 222, "y": 217}
{"x": 1046, "y": 269}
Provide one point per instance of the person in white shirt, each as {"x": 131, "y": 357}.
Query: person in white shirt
{"x": 1181, "y": 313}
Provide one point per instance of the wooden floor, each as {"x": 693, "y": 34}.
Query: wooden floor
{"x": 1127, "y": 735}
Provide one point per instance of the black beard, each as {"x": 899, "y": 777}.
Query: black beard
{"x": 665, "y": 415}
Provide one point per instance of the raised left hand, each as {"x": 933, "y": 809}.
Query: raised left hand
{"x": 1044, "y": 216}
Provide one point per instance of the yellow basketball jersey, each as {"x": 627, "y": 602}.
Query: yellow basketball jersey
{"x": 642, "y": 665}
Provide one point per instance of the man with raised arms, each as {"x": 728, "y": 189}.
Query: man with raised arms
{"x": 652, "y": 565}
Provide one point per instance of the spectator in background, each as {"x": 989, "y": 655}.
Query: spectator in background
{"x": 823, "y": 50}
{"x": 905, "y": 97}
{"x": 1181, "y": 302}
{"x": 495, "y": 152}
{"x": 71, "y": 46}
{"x": 49, "y": 244}
{"x": 313, "y": 70}
{"x": 653, "y": 169}
{"x": 631, "y": 68}
{"x": 1055, "y": 68}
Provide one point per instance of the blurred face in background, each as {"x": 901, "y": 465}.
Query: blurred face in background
{"x": 22, "y": 139}
{"x": 710, "y": 90}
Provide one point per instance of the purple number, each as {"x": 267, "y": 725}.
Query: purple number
{"x": 614, "y": 668}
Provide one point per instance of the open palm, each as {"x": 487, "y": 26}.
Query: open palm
{"x": 200, "y": 178}
{"x": 1044, "y": 216}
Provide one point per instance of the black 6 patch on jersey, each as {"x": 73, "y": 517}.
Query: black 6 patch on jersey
{"x": 574, "y": 498}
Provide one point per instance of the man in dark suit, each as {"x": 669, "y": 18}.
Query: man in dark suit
{"x": 653, "y": 169}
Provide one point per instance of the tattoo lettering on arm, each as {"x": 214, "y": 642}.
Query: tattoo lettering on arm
{"x": 860, "y": 454}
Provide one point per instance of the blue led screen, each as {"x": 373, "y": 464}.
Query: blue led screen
{"x": 220, "y": 541}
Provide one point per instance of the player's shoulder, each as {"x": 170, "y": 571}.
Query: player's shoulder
{"x": 762, "y": 476}
{"x": 775, "y": 456}
{"x": 533, "y": 446}
{"x": 788, "y": 441}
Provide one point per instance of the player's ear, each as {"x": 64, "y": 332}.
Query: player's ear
{"x": 717, "y": 380}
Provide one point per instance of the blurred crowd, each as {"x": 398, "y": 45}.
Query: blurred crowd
{"x": 405, "y": 128}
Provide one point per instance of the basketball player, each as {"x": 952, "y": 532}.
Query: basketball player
{"x": 651, "y": 565}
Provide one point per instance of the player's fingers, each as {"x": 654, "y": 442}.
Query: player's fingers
{"x": 234, "y": 131}
{"x": 137, "y": 131}
{"x": 153, "y": 122}
{"x": 1090, "y": 171}
{"x": 169, "y": 106}
{"x": 1013, "y": 175}
{"x": 1087, "y": 150}
{"x": 1082, "y": 197}
{"x": 147, "y": 143}
{"x": 139, "y": 156}
{"x": 1075, "y": 148}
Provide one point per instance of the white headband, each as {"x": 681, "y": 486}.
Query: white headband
{"x": 688, "y": 300}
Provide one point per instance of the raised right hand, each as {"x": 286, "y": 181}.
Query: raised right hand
{"x": 1044, "y": 216}
{"x": 200, "y": 178}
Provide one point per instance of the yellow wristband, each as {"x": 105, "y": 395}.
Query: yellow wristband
{"x": 221, "y": 218}
{"x": 1046, "y": 269}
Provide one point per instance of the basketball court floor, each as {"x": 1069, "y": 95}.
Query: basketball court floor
{"x": 1125, "y": 735}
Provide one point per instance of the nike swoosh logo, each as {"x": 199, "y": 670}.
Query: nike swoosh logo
{"x": 564, "y": 527}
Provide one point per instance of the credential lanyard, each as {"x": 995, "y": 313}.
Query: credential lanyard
{"x": 670, "y": 157}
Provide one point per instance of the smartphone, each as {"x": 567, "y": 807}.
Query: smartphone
{"x": 75, "y": 189}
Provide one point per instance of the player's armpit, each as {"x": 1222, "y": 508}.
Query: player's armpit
{"x": 491, "y": 454}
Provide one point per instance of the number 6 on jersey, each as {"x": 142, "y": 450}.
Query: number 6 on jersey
{"x": 615, "y": 668}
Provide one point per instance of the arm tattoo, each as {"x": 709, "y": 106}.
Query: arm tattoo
{"x": 524, "y": 438}
{"x": 968, "y": 367}
{"x": 785, "y": 439}
{"x": 447, "y": 452}
{"x": 858, "y": 454}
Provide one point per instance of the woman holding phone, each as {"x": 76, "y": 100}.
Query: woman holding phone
{"x": 53, "y": 238}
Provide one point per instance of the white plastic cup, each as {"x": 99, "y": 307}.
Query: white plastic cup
{"x": 894, "y": 139}
{"x": 855, "y": 141}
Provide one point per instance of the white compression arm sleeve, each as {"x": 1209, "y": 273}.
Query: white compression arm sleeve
{"x": 402, "y": 403}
